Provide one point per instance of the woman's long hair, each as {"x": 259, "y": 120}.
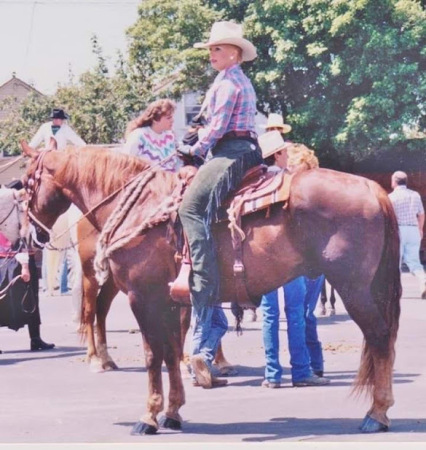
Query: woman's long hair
{"x": 155, "y": 111}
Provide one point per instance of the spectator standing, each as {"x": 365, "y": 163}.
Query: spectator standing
{"x": 300, "y": 295}
{"x": 410, "y": 214}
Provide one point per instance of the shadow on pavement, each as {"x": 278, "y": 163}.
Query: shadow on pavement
{"x": 58, "y": 352}
{"x": 292, "y": 427}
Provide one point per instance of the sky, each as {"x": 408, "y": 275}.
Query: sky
{"x": 41, "y": 40}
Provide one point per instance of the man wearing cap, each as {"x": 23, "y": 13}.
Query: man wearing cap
{"x": 300, "y": 295}
{"x": 229, "y": 137}
{"x": 58, "y": 131}
{"x": 411, "y": 218}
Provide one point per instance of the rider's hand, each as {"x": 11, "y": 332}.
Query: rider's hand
{"x": 25, "y": 273}
{"x": 185, "y": 150}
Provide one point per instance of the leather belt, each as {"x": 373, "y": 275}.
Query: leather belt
{"x": 236, "y": 134}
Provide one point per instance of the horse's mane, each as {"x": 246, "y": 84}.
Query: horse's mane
{"x": 102, "y": 169}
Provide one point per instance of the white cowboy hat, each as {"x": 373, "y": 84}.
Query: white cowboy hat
{"x": 271, "y": 142}
{"x": 229, "y": 33}
{"x": 277, "y": 121}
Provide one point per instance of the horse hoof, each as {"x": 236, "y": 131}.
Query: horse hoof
{"x": 96, "y": 367}
{"x": 170, "y": 424}
{"x": 332, "y": 312}
{"x": 110, "y": 365}
{"x": 141, "y": 428}
{"x": 370, "y": 425}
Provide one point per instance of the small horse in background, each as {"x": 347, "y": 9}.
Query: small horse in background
{"x": 13, "y": 220}
{"x": 333, "y": 223}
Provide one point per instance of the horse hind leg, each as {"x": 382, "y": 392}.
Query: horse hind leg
{"x": 185, "y": 323}
{"x": 332, "y": 301}
{"x": 378, "y": 355}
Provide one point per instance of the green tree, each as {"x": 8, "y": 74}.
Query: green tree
{"x": 100, "y": 106}
{"x": 161, "y": 46}
{"x": 348, "y": 75}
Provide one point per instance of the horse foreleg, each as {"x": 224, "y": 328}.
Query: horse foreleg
{"x": 151, "y": 326}
{"x": 172, "y": 357}
{"x": 103, "y": 303}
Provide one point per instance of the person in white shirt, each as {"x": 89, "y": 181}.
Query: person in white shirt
{"x": 57, "y": 129}
{"x": 410, "y": 214}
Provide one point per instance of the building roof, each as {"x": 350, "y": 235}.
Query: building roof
{"x": 18, "y": 90}
{"x": 15, "y": 81}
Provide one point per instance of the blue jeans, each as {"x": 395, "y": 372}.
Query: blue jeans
{"x": 410, "y": 247}
{"x": 64, "y": 275}
{"x": 216, "y": 178}
{"x": 301, "y": 296}
{"x": 210, "y": 324}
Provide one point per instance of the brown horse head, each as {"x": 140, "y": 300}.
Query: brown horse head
{"x": 45, "y": 207}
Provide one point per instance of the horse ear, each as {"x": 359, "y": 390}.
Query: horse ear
{"x": 27, "y": 150}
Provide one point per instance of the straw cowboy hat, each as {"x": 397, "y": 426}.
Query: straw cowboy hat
{"x": 271, "y": 142}
{"x": 277, "y": 121}
{"x": 229, "y": 33}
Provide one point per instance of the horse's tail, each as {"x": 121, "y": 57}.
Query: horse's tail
{"x": 386, "y": 290}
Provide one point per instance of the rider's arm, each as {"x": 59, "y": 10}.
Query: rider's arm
{"x": 39, "y": 137}
{"x": 73, "y": 137}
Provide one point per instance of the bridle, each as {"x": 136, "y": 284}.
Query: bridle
{"x": 33, "y": 185}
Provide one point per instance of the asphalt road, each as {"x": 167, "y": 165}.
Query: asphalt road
{"x": 52, "y": 397}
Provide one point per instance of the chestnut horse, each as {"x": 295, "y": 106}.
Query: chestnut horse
{"x": 334, "y": 223}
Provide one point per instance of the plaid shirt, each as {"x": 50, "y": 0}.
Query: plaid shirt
{"x": 231, "y": 106}
{"x": 407, "y": 205}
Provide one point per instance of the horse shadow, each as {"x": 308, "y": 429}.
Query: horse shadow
{"x": 337, "y": 378}
{"x": 55, "y": 353}
{"x": 279, "y": 428}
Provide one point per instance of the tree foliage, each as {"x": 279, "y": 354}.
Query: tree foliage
{"x": 99, "y": 105}
{"x": 348, "y": 75}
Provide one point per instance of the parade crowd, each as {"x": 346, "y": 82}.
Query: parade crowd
{"x": 223, "y": 137}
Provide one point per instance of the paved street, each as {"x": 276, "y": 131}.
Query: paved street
{"x": 52, "y": 397}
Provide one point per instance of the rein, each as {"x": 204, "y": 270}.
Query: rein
{"x": 3, "y": 292}
{"x": 14, "y": 206}
{"x": 36, "y": 183}
{"x": 4, "y": 167}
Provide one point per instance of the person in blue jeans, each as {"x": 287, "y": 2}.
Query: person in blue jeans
{"x": 210, "y": 341}
{"x": 301, "y": 294}
{"x": 306, "y": 358}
